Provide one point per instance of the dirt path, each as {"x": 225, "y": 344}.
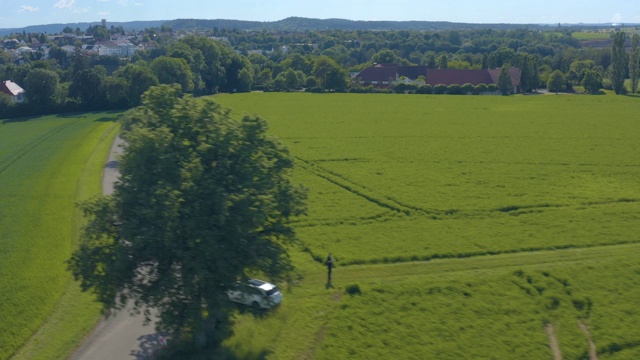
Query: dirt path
{"x": 553, "y": 342}
{"x": 121, "y": 336}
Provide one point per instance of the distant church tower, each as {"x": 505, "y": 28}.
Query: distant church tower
{"x": 104, "y": 23}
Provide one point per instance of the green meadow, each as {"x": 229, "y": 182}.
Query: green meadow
{"x": 464, "y": 227}
{"x": 47, "y": 165}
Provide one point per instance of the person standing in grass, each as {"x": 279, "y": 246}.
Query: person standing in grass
{"x": 329, "y": 263}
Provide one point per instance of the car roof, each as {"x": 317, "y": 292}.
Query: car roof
{"x": 261, "y": 284}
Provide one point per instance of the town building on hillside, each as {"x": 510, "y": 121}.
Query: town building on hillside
{"x": 13, "y": 90}
{"x": 387, "y": 75}
{"x": 119, "y": 48}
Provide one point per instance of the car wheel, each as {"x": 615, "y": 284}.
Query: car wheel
{"x": 255, "y": 306}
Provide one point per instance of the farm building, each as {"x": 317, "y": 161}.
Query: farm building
{"x": 386, "y": 75}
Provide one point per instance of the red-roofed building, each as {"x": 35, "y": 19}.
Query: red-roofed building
{"x": 386, "y": 75}
{"x": 13, "y": 90}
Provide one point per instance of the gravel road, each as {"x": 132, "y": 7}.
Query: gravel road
{"x": 121, "y": 336}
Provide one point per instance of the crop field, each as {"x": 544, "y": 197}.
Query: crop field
{"x": 47, "y": 165}
{"x": 474, "y": 227}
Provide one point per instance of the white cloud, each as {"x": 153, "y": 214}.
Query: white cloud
{"x": 63, "y": 4}
{"x": 26, "y": 8}
{"x": 123, "y": 2}
{"x": 81, "y": 10}
{"x": 138, "y": 4}
{"x": 617, "y": 18}
{"x": 103, "y": 13}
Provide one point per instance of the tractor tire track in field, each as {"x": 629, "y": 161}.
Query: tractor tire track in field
{"x": 400, "y": 208}
{"x": 553, "y": 342}
{"x": 33, "y": 145}
{"x": 593, "y": 353}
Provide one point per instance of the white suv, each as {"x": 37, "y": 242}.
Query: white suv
{"x": 256, "y": 293}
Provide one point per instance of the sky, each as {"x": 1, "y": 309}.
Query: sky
{"x": 21, "y": 13}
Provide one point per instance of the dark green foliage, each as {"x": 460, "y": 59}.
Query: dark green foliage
{"x": 634, "y": 63}
{"x": 88, "y": 86}
{"x": 41, "y": 86}
{"x": 556, "y": 82}
{"x": 202, "y": 200}
{"x": 440, "y": 89}
{"x": 454, "y": 89}
{"x": 402, "y": 88}
{"x": 173, "y": 71}
{"x": 592, "y": 81}
{"x": 329, "y": 74}
{"x": 618, "y": 62}
{"x": 504, "y": 81}
{"x": 353, "y": 289}
{"x": 480, "y": 88}
{"x": 425, "y": 89}
{"x": 467, "y": 88}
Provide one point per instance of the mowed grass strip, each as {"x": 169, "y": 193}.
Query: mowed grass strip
{"x": 47, "y": 165}
{"x": 458, "y": 176}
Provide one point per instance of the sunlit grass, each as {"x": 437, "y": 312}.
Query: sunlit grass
{"x": 550, "y": 183}
{"x": 47, "y": 165}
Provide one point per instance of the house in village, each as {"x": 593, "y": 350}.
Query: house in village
{"x": 120, "y": 48}
{"x": 387, "y": 75}
{"x": 13, "y": 90}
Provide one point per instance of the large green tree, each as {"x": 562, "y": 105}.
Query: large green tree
{"x": 203, "y": 200}
{"x": 556, "y": 81}
{"x": 170, "y": 70}
{"x": 88, "y": 86}
{"x": 504, "y": 81}
{"x": 139, "y": 78}
{"x": 618, "y": 62}
{"x": 41, "y": 87}
{"x": 592, "y": 81}
{"x": 329, "y": 74}
{"x": 634, "y": 63}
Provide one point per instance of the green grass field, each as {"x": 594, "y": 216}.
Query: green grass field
{"x": 47, "y": 165}
{"x": 592, "y": 35}
{"x": 548, "y": 186}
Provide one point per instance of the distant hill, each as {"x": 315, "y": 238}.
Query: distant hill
{"x": 57, "y": 28}
{"x": 302, "y": 24}
{"x": 290, "y": 24}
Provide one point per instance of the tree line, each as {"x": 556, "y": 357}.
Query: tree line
{"x": 227, "y": 60}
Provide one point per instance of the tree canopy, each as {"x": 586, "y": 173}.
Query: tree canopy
{"x": 618, "y": 62}
{"x": 203, "y": 201}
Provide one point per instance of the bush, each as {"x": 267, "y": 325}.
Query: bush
{"x": 454, "y": 89}
{"x": 425, "y": 89}
{"x": 468, "y": 88}
{"x": 480, "y": 88}
{"x": 353, "y": 289}
{"x": 362, "y": 89}
{"x": 492, "y": 87}
{"x": 402, "y": 88}
{"x": 440, "y": 89}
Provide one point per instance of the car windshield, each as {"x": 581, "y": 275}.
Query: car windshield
{"x": 273, "y": 291}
